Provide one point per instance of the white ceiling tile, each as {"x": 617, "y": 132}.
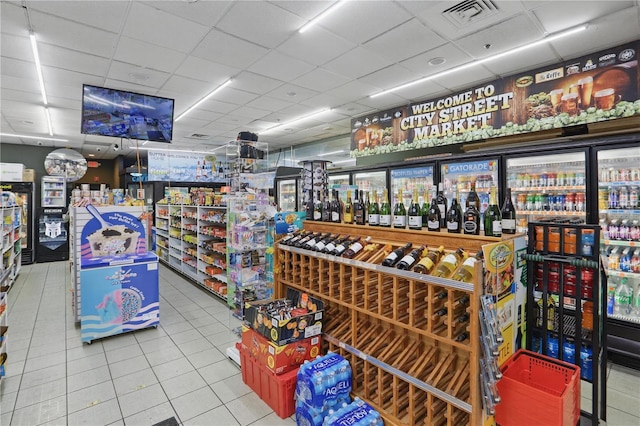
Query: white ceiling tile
{"x": 132, "y": 87}
{"x": 353, "y": 90}
{"x": 246, "y": 20}
{"x": 203, "y": 70}
{"x": 218, "y": 127}
{"x": 129, "y": 72}
{"x": 305, "y": 9}
{"x": 316, "y": 47}
{"x": 235, "y": 96}
{"x": 200, "y": 114}
{"x": 357, "y": 62}
{"x": 281, "y": 67}
{"x": 64, "y": 33}
{"x": 164, "y": 29}
{"x": 234, "y": 119}
{"x": 405, "y": 41}
{"x": 540, "y": 55}
{"x": 73, "y": 92}
{"x": 420, "y": 63}
{"x": 178, "y": 84}
{"x": 148, "y": 55}
{"x": 255, "y": 83}
{"x": 323, "y": 100}
{"x": 104, "y": 15}
{"x": 16, "y": 47}
{"x": 204, "y": 12}
{"x": 559, "y": 15}
{"x": 461, "y": 80}
{"x": 321, "y": 80}
{"x": 59, "y": 77}
{"x": 250, "y": 112}
{"x": 292, "y": 93}
{"x": 13, "y": 20}
{"x": 8, "y": 94}
{"x": 390, "y": 76}
{"x": 217, "y": 106}
{"x": 381, "y": 103}
{"x": 20, "y": 84}
{"x": 223, "y": 48}
{"x": 61, "y": 57}
{"x": 269, "y": 103}
{"x": 358, "y": 22}
{"x": 353, "y": 109}
{"x": 17, "y": 68}
{"x": 67, "y": 104}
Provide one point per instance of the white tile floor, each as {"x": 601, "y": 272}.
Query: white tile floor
{"x": 179, "y": 369}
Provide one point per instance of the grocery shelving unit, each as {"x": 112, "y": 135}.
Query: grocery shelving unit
{"x": 407, "y": 361}
{"x": 191, "y": 239}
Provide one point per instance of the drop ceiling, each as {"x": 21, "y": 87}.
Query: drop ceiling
{"x": 185, "y": 49}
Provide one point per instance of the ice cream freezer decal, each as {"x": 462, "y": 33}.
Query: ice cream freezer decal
{"x": 119, "y": 277}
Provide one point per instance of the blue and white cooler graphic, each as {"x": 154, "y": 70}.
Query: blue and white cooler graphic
{"x": 120, "y": 298}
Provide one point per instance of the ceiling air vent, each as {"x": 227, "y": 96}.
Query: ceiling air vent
{"x": 198, "y": 136}
{"x": 470, "y": 11}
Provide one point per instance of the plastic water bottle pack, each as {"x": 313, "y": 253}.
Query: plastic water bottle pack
{"x": 324, "y": 379}
{"x": 358, "y": 413}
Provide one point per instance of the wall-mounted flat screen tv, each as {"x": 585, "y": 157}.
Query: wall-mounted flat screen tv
{"x": 121, "y": 114}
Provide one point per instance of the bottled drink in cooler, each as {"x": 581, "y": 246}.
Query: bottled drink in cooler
{"x": 623, "y": 297}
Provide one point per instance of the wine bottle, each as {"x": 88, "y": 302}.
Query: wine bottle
{"x": 437, "y": 315}
{"x": 441, "y": 202}
{"x": 440, "y": 296}
{"x": 317, "y": 208}
{"x": 407, "y": 262}
{"x": 454, "y": 216}
{"x": 466, "y": 272}
{"x": 374, "y": 211}
{"x": 472, "y": 198}
{"x": 427, "y": 263}
{"x": 449, "y": 264}
{"x": 303, "y": 241}
{"x": 285, "y": 241}
{"x": 385, "y": 211}
{"x": 462, "y": 337}
{"x": 399, "y": 213}
{"x": 320, "y": 245}
{"x": 395, "y": 256}
{"x": 424, "y": 212}
{"x": 508, "y": 215}
{"x": 415, "y": 216}
{"x": 326, "y": 207}
{"x": 492, "y": 216}
{"x": 348, "y": 209}
{"x": 309, "y": 205}
{"x": 471, "y": 220}
{"x": 331, "y": 245}
{"x": 359, "y": 218}
{"x": 433, "y": 218}
{"x": 336, "y": 211}
{"x": 355, "y": 248}
{"x": 342, "y": 247}
{"x": 311, "y": 244}
{"x": 366, "y": 207}
{"x": 459, "y": 320}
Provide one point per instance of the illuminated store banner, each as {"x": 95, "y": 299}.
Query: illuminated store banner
{"x": 598, "y": 87}
{"x": 184, "y": 167}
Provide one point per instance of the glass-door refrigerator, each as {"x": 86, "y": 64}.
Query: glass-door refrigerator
{"x": 410, "y": 178}
{"x": 25, "y": 191}
{"x": 369, "y": 181}
{"x": 54, "y": 191}
{"x": 548, "y": 187}
{"x": 619, "y": 215}
{"x": 287, "y": 195}
{"x": 459, "y": 177}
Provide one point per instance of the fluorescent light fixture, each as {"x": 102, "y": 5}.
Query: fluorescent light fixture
{"x": 330, "y": 153}
{"x": 545, "y": 40}
{"x": 194, "y": 106}
{"x": 34, "y": 137}
{"x": 36, "y": 57}
{"x": 296, "y": 120}
{"x": 343, "y": 161}
{"x": 323, "y": 15}
{"x": 46, "y": 112}
{"x": 144, "y": 143}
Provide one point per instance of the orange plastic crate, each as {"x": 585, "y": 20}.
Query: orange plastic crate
{"x": 276, "y": 390}
{"x": 537, "y": 389}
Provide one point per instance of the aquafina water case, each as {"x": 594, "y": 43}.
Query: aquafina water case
{"x": 307, "y": 415}
{"x": 358, "y": 413}
{"x": 324, "y": 379}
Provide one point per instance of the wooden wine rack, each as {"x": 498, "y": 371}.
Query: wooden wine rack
{"x": 404, "y": 357}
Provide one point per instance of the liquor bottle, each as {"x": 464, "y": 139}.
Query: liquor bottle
{"x": 336, "y": 211}
{"x": 399, "y": 213}
{"x": 459, "y": 320}
{"x": 449, "y": 264}
{"x": 427, "y": 263}
{"x": 326, "y": 207}
{"x": 374, "y": 211}
{"x": 355, "y": 248}
{"x": 508, "y": 215}
{"x": 424, "y": 212}
{"x": 303, "y": 241}
{"x": 454, "y": 216}
{"x": 285, "y": 241}
{"x": 462, "y": 337}
{"x": 492, "y": 216}
{"x": 395, "y": 256}
{"x": 342, "y": 247}
{"x": 473, "y": 198}
{"x": 296, "y": 238}
{"x": 441, "y": 202}
{"x": 385, "y": 211}
{"x": 471, "y": 220}
{"x": 331, "y": 245}
{"x": 433, "y": 218}
{"x": 366, "y": 207}
{"x": 415, "y": 216}
{"x": 407, "y": 262}
{"x": 461, "y": 301}
{"x": 440, "y": 296}
{"x": 317, "y": 208}
{"x": 467, "y": 270}
{"x": 311, "y": 244}
{"x": 321, "y": 244}
{"x": 359, "y": 217}
{"x": 437, "y": 315}
{"x": 348, "y": 209}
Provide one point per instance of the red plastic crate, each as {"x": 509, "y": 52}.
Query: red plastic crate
{"x": 276, "y": 390}
{"x": 537, "y": 389}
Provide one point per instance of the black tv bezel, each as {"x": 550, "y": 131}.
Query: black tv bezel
{"x": 173, "y": 113}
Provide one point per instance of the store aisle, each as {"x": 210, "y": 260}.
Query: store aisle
{"x": 177, "y": 370}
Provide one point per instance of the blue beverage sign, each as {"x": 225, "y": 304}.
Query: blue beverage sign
{"x": 470, "y": 167}
{"x": 415, "y": 172}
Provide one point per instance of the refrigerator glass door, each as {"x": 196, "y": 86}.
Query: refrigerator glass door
{"x": 420, "y": 178}
{"x": 338, "y": 180}
{"x": 371, "y": 181}
{"x": 54, "y": 192}
{"x": 619, "y": 212}
{"x": 287, "y": 195}
{"x": 459, "y": 177}
{"x": 547, "y": 187}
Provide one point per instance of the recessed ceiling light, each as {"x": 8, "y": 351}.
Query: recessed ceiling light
{"x": 291, "y": 94}
{"x": 91, "y": 155}
{"x": 437, "y": 61}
